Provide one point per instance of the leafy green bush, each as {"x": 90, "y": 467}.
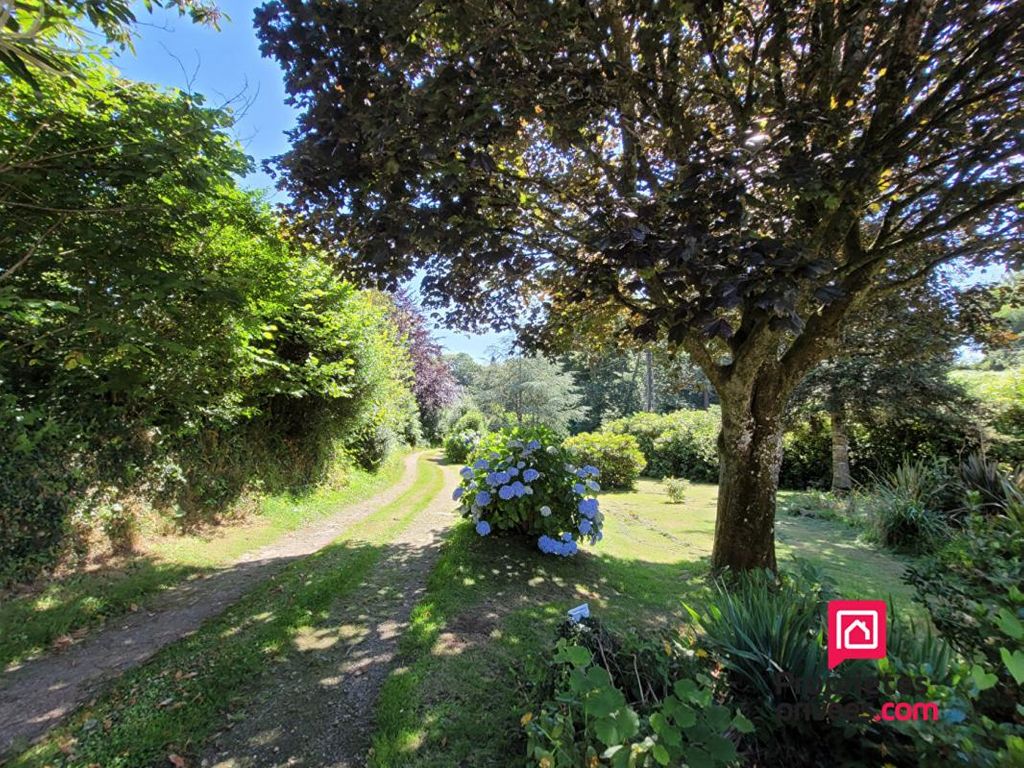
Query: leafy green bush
{"x": 185, "y": 331}
{"x": 587, "y": 719}
{"x": 972, "y": 589}
{"x": 35, "y": 493}
{"x": 521, "y": 480}
{"x": 679, "y": 444}
{"x": 806, "y": 455}
{"x": 760, "y": 627}
{"x": 922, "y": 667}
{"x": 617, "y": 456}
{"x": 458, "y": 446}
{"x": 906, "y": 511}
{"x": 676, "y": 489}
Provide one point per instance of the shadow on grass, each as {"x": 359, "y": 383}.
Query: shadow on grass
{"x": 32, "y": 621}
{"x": 188, "y": 691}
{"x": 477, "y": 642}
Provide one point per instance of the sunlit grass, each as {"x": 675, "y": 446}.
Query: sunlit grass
{"x": 31, "y": 623}
{"x": 176, "y": 700}
{"x": 493, "y": 605}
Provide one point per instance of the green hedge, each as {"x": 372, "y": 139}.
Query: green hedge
{"x": 617, "y": 456}
{"x": 685, "y": 444}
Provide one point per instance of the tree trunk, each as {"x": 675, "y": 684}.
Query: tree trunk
{"x": 750, "y": 455}
{"x": 841, "y": 483}
{"x": 649, "y": 382}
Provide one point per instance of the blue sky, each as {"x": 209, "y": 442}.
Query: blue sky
{"x": 226, "y": 66}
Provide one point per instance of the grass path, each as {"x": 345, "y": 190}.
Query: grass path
{"x": 65, "y": 610}
{"x": 36, "y": 695}
{"x": 478, "y": 638}
{"x": 318, "y": 707}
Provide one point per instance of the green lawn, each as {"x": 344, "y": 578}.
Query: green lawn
{"x": 32, "y": 622}
{"x": 176, "y": 700}
{"x": 493, "y": 607}
{"x": 475, "y": 641}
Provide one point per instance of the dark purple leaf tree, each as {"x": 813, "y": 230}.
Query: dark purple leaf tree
{"x": 434, "y": 384}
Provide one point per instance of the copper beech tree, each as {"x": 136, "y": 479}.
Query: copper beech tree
{"x": 733, "y": 177}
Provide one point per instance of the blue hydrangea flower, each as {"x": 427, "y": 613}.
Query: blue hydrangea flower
{"x": 518, "y": 489}
{"x": 585, "y": 526}
{"x": 506, "y": 492}
{"x": 588, "y": 507}
{"x": 483, "y": 498}
{"x": 566, "y": 536}
{"x": 481, "y": 464}
{"x": 530, "y": 475}
{"x": 512, "y": 471}
{"x": 593, "y": 485}
{"x": 466, "y": 472}
{"x": 581, "y": 473}
{"x": 579, "y": 489}
{"x": 502, "y": 477}
{"x": 533, "y": 445}
{"x": 520, "y": 465}
{"x": 458, "y": 493}
{"x": 592, "y": 470}
{"x": 483, "y": 527}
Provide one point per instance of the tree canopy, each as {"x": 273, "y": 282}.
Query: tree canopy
{"x": 735, "y": 177}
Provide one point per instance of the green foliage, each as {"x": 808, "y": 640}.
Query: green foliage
{"x": 806, "y": 455}
{"x": 922, "y": 667}
{"x": 676, "y": 489}
{"x": 618, "y": 456}
{"x": 522, "y": 480}
{"x": 588, "y": 720}
{"x": 907, "y": 508}
{"x": 972, "y": 588}
{"x": 36, "y": 491}
{"x": 680, "y": 444}
{"x": 164, "y": 336}
{"x": 35, "y": 34}
{"x": 760, "y": 626}
{"x": 458, "y": 446}
{"x": 989, "y": 488}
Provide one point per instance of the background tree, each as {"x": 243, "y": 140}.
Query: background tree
{"x": 891, "y": 372}
{"x": 736, "y": 177}
{"x": 528, "y": 389}
{"x": 434, "y": 384}
{"x": 41, "y": 36}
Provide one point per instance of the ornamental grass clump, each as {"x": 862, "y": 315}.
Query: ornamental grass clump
{"x": 521, "y": 480}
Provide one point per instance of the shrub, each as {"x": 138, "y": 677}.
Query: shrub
{"x": 587, "y": 718}
{"x": 458, "y": 446}
{"x": 35, "y": 499}
{"x": 906, "y": 511}
{"x": 617, "y": 456}
{"x": 806, "y": 455}
{"x": 971, "y": 588}
{"x": 676, "y": 489}
{"x": 760, "y": 627}
{"x": 679, "y": 444}
{"x": 991, "y": 488}
{"x": 120, "y": 526}
{"x": 921, "y": 666}
{"x": 521, "y": 480}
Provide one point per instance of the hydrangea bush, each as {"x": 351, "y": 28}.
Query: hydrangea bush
{"x": 458, "y": 446}
{"x": 521, "y": 480}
